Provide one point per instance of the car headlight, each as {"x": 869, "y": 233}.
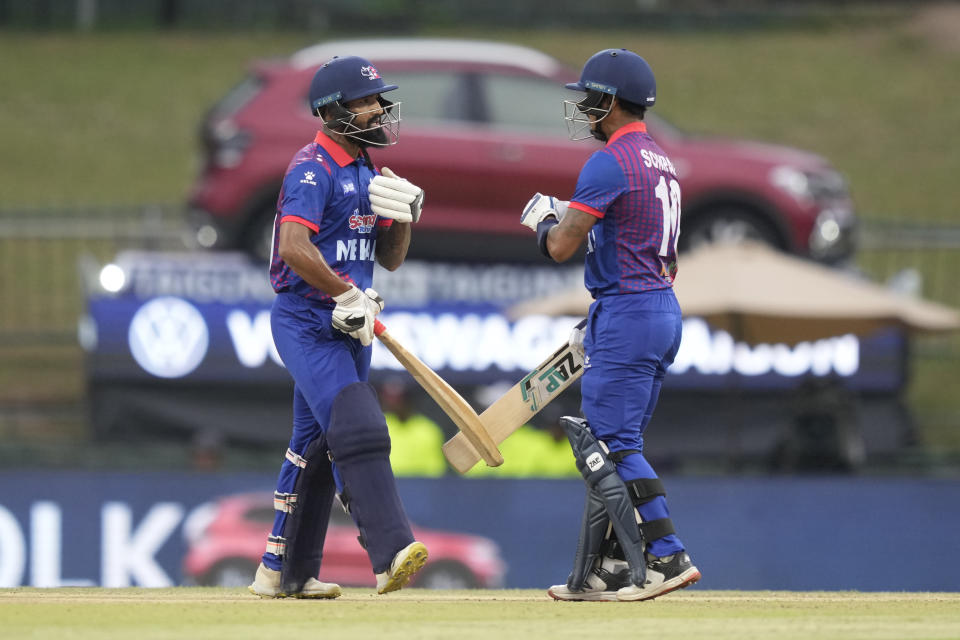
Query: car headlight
{"x": 827, "y": 185}
{"x": 791, "y": 180}
{"x": 819, "y": 185}
{"x": 831, "y": 231}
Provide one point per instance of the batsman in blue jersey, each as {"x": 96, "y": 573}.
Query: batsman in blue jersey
{"x": 336, "y": 215}
{"x": 627, "y": 208}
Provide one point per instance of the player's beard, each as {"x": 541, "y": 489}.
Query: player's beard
{"x": 371, "y": 137}
{"x": 597, "y": 131}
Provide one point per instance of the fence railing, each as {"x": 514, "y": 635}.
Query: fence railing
{"x": 42, "y": 254}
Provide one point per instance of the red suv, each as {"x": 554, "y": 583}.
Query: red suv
{"x": 482, "y": 131}
{"x": 225, "y": 549}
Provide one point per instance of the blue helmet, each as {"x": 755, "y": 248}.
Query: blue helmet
{"x": 621, "y": 73}
{"x": 345, "y": 79}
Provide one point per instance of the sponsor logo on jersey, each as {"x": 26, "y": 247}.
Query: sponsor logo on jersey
{"x": 370, "y": 73}
{"x": 363, "y": 224}
{"x": 348, "y": 187}
{"x": 308, "y": 178}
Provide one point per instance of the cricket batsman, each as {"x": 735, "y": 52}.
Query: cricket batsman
{"x": 626, "y": 207}
{"x": 336, "y": 214}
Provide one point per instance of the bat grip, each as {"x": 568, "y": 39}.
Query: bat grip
{"x": 378, "y": 327}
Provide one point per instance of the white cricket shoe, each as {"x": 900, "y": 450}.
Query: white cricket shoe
{"x": 266, "y": 584}
{"x": 663, "y": 576}
{"x": 600, "y": 586}
{"x": 405, "y": 564}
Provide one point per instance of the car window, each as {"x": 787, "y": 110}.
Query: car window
{"x": 238, "y": 96}
{"x": 523, "y": 103}
{"x": 432, "y": 97}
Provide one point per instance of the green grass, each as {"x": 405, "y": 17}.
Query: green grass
{"x": 228, "y": 614}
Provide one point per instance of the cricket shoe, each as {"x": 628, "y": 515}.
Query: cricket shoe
{"x": 405, "y": 564}
{"x": 663, "y": 576}
{"x": 266, "y": 584}
{"x": 601, "y": 584}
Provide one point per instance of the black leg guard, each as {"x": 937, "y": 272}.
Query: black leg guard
{"x": 360, "y": 446}
{"x": 601, "y": 477}
{"x": 593, "y": 531}
{"x": 308, "y": 516}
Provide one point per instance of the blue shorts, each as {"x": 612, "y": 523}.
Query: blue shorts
{"x": 322, "y": 361}
{"x": 630, "y": 341}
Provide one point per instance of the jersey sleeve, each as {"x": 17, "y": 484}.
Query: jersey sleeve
{"x": 601, "y": 182}
{"x": 306, "y": 192}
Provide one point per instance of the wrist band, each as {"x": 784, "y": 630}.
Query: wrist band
{"x": 543, "y": 228}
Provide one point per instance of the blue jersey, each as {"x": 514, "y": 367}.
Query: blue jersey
{"x": 325, "y": 190}
{"x": 631, "y": 187}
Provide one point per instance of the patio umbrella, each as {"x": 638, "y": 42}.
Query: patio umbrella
{"x": 760, "y": 295}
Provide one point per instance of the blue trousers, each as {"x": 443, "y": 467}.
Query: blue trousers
{"x": 630, "y": 341}
{"x": 322, "y": 361}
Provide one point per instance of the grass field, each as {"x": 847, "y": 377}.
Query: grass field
{"x": 228, "y": 614}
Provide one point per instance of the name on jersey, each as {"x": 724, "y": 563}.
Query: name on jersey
{"x": 363, "y": 224}
{"x": 356, "y": 249}
{"x": 657, "y": 161}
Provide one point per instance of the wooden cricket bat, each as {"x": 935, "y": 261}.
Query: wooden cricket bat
{"x": 444, "y": 395}
{"x": 523, "y": 401}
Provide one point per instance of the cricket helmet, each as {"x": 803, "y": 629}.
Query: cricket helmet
{"x": 342, "y": 80}
{"x": 621, "y": 73}
{"x": 345, "y": 79}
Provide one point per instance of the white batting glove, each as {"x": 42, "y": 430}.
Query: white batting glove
{"x": 394, "y": 197}
{"x": 576, "y": 339}
{"x": 355, "y": 313}
{"x": 540, "y": 207}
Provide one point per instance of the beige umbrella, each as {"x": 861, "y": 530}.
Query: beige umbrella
{"x": 759, "y": 294}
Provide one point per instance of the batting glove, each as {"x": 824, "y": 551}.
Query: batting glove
{"x": 394, "y": 197}
{"x": 355, "y": 313}
{"x": 540, "y": 207}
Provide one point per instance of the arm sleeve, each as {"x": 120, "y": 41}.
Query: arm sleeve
{"x": 601, "y": 182}
{"x": 305, "y": 194}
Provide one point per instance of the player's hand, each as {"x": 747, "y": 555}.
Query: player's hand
{"x": 576, "y": 338}
{"x": 540, "y": 207}
{"x": 355, "y": 313}
{"x": 394, "y": 197}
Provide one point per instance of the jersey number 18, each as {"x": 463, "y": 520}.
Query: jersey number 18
{"x": 669, "y": 197}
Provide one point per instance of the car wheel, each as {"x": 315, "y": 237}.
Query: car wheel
{"x": 258, "y": 239}
{"x": 446, "y": 575}
{"x": 229, "y": 573}
{"x": 729, "y": 226}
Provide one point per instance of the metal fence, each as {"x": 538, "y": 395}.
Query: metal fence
{"x": 44, "y": 257}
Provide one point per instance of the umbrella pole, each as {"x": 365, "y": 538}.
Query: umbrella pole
{"x": 735, "y": 424}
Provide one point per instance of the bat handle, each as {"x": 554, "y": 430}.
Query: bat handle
{"x": 378, "y": 327}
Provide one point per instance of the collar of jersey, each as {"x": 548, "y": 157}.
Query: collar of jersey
{"x": 341, "y": 157}
{"x": 633, "y": 127}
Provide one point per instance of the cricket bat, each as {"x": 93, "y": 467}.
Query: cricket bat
{"x": 523, "y": 401}
{"x": 446, "y": 397}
